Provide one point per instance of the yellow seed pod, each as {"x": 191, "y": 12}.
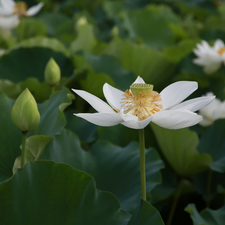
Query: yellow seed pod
{"x": 25, "y": 114}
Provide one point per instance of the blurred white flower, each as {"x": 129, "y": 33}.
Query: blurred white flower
{"x": 10, "y": 7}
{"x": 137, "y": 107}
{"x": 209, "y": 57}
{"x": 2, "y": 51}
{"x": 214, "y": 111}
{"x": 9, "y": 22}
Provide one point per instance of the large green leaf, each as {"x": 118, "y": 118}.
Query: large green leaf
{"x": 109, "y": 65}
{"x": 57, "y": 194}
{"x": 213, "y": 143}
{"x": 176, "y": 53}
{"x": 85, "y": 130}
{"x": 64, "y": 195}
{"x": 42, "y": 42}
{"x": 86, "y": 39}
{"x": 207, "y": 216}
{"x": 148, "y": 63}
{"x": 121, "y": 167}
{"x": 13, "y": 90}
{"x": 30, "y": 27}
{"x": 121, "y": 135}
{"x": 10, "y": 138}
{"x": 32, "y": 63}
{"x": 59, "y": 26}
{"x": 179, "y": 148}
{"x": 52, "y": 117}
{"x": 154, "y": 36}
{"x": 94, "y": 83}
{"x": 114, "y": 168}
{"x": 145, "y": 214}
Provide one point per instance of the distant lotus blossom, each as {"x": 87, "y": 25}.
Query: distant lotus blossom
{"x": 9, "y": 22}
{"x": 10, "y": 7}
{"x": 214, "y": 111}
{"x": 210, "y": 58}
{"x": 139, "y": 105}
{"x": 11, "y": 12}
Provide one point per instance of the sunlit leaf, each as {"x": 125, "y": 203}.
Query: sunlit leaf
{"x": 154, "y": 36}
{"x": 180, "y": 149}
{"x": 148, "y": 63}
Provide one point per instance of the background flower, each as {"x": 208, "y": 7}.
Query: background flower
{"x": 9, "y": 22}
{"x": 10, "y": 7}
{"x": 11, "y": 12}
{"x": 209, "y": 57}
{"x": 214, "y": 111}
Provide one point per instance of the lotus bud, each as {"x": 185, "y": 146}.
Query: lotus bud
{"x": 52, "y": 73}
{"x": 25, "y": 114}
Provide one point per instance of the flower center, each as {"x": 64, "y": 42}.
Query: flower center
{"x": 20, "y": 9}
{"x": 141, "y": 101}
{"x": 221, "y": 51}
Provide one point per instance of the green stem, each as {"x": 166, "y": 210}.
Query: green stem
{"x": 53, "y": 89}
{"x": 23, "y": 156}
{"x": 208, "y": 188}
{"x": 142, "y": 163}
{"x": 175, "y": 201}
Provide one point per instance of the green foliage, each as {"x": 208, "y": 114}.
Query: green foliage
{"x": 10, "y": 138}
{"x": 97, "y": 42}
{"x": 145, "y": 214}
{"x": 154, "y": 36}
{"x": 34, "y": 57}
{"x": 71, "y": 188}
{"x": 30, "y": 27}
{"x": 52, "y": 117}
{"x": 109, "y": 165}
{"x": 35, "y": 145}
{"x": 207, "y": 216}
{"x": 213, "y": 143}
{"x": 179, "y": 148}
{"x": 142, "y": 61}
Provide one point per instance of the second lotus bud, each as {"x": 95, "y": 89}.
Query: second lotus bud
{"x": 25, "y": 114}
{"x": 52, "y": 73}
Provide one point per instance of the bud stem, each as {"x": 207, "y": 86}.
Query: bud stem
{"x": 23, "y": 156}
{"x": 142, "y": 163}
{"x": 53, "y": 89}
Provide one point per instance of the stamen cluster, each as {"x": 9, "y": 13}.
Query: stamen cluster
{"x": 20, "y": 9}
{"x": 143, "y": 105}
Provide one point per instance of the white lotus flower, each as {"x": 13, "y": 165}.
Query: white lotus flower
{"x": 10, "y": 7}
{"x": 209, "y": 57}
{"x": 214, "y": 111}
{"x": 137, "y": 107}
{"x": 9, "y": 22}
